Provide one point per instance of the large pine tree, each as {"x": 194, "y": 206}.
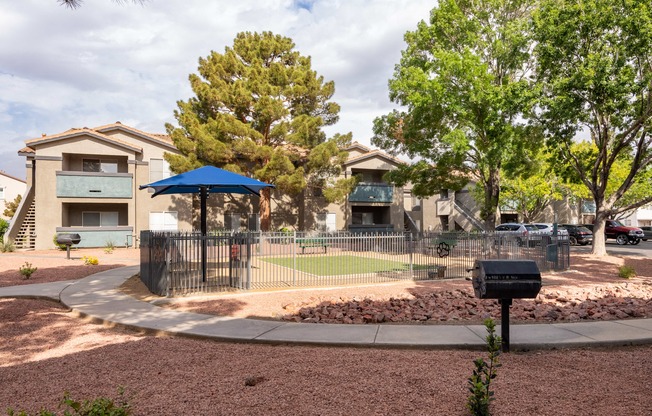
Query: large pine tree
{"x": 259, "y": 110}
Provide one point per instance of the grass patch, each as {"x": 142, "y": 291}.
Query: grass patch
{"x": 341, "y": 265}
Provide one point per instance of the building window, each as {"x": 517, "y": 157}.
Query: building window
{"x": 100, "y": 219}
{"x": 97, "y": 165}
{"x": 2, "y": 192}
{"x": 163, "y": 221}
{"x": 158, "y": 169}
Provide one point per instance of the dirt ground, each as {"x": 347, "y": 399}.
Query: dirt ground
{"x": 46, "y": 350}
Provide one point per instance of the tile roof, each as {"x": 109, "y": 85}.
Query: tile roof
{"x": 375, "y": 153}
{"x": 75, "y": 132}
{"x": 157, "y": 137}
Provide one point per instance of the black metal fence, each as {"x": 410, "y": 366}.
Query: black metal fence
{"x": 174, "y": 263}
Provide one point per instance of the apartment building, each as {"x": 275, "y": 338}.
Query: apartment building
{"x": 85, "y": 181}
{"x": 375, "y": 205}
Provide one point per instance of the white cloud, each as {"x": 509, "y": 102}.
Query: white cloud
{"x": 104, "y": 62}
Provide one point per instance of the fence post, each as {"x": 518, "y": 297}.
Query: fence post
{"x": 410, "y": 251}
{"x": 248, "y": 285}
{"x": 294, "y": 258}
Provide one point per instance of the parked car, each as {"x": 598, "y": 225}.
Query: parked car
{"x": 647, "y": 233}
{"x": 623, "y": 234}
{"x": 578, "y": 234}
{"x": 521, "y": 232}
{"x": 547, "y": 229}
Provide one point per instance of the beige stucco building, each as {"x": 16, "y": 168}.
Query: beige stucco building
{"x": 86, "y": 181}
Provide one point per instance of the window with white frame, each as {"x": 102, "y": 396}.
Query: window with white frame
{"x": 163, "y": 221}
{"x": 100, "y": 219}
{"x": 158, "y": 169}
{"x": 2, "y": 192}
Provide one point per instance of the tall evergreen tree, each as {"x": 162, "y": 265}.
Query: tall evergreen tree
{"x": 258, "y": 110}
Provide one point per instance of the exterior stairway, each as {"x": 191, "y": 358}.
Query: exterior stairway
{"x": 409, "y": 226}
{"x": 26, "y": 236}
{"x": 22, "y": 228}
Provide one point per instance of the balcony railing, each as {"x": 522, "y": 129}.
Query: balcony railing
{"x": 371, "y": 192}
{"x": 94, "y": 185}
{"x": 118, "y": 236}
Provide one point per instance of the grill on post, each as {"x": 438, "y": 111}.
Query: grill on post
{"x": 506, "y": 280}
{"x": 68, "y": 239}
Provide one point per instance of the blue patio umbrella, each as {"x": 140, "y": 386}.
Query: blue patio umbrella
{"x": 203, "y": 181}
{"x": 207, "y": 180}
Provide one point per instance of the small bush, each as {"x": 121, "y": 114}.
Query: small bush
{"x": 4, "y": 225}
{"x": 109, "y": 247}
{"x": 7, "y": 247}
{"x": 57, "y": 245}
{"x": 485, "y": 371}
{"x": 90, "y": 260}
{"x": 27, "y": 270}
{"x": 98, "y": 407}
{"x": 626, "y": 272}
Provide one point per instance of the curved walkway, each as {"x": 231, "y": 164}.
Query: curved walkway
{"x": 99, "y": 298}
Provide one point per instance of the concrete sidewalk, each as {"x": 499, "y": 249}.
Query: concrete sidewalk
{"x": 98, "y": 297}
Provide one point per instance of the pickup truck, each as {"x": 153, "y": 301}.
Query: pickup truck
{"x": 623, "y": 234}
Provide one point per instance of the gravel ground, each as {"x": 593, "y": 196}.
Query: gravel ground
{"x": 45, "y": 350}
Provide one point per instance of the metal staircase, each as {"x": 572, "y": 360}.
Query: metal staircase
{"x": 409, "y": 225}
{"x": 468, "y": 216}
{"x": 26, "y": 236}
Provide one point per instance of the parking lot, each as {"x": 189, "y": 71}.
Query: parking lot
{"x": 643, "y": 249}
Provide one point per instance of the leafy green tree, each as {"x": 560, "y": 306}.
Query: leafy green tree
{"x": 587, "y": 151}
{"x": 463, "y": 81}
{"x": 259, "y": 110}
{"x": 12, "y": 206}
{"x": 594, "y": 67}
{"x": 529, "y": 195}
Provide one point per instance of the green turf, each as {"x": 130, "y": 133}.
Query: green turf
{"x": 340, "y": 265}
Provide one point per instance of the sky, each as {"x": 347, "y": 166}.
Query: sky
{"x": 109, "y": 61}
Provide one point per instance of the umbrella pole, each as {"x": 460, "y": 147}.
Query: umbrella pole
{"x": 203, "y": 197}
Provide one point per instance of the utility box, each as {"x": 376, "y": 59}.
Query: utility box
{"x": 506, "y": 279}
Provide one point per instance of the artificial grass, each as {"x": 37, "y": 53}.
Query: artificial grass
{"x": 341, "y": 265}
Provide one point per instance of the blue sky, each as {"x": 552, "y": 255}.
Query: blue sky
{"x": 104, "y": 62}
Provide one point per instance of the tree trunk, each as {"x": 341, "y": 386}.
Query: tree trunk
{"x": 599, "y": 239}
{"x": 491, "y": 197}
{"x": 265, "y": 209}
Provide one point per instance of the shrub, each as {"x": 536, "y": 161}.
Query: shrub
{"x": 90, "y": 260}
{"x": 109, "y": 247}
{"x": 626, "y": 272}
{"x": 27, "y": 270}
{"x": 57, "y": 245}
{"x": 4, "y": 225}
{"x": 7, "y": 247}
{"x": 98, "y": 407}
{"x": 485, "y": 371}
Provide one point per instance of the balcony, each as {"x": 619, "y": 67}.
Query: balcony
{"x": 372, "y": 192}
{"x": 72, "y": 184}
{"x": 444, "y": 207}
{"x": 120, "y": 236}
